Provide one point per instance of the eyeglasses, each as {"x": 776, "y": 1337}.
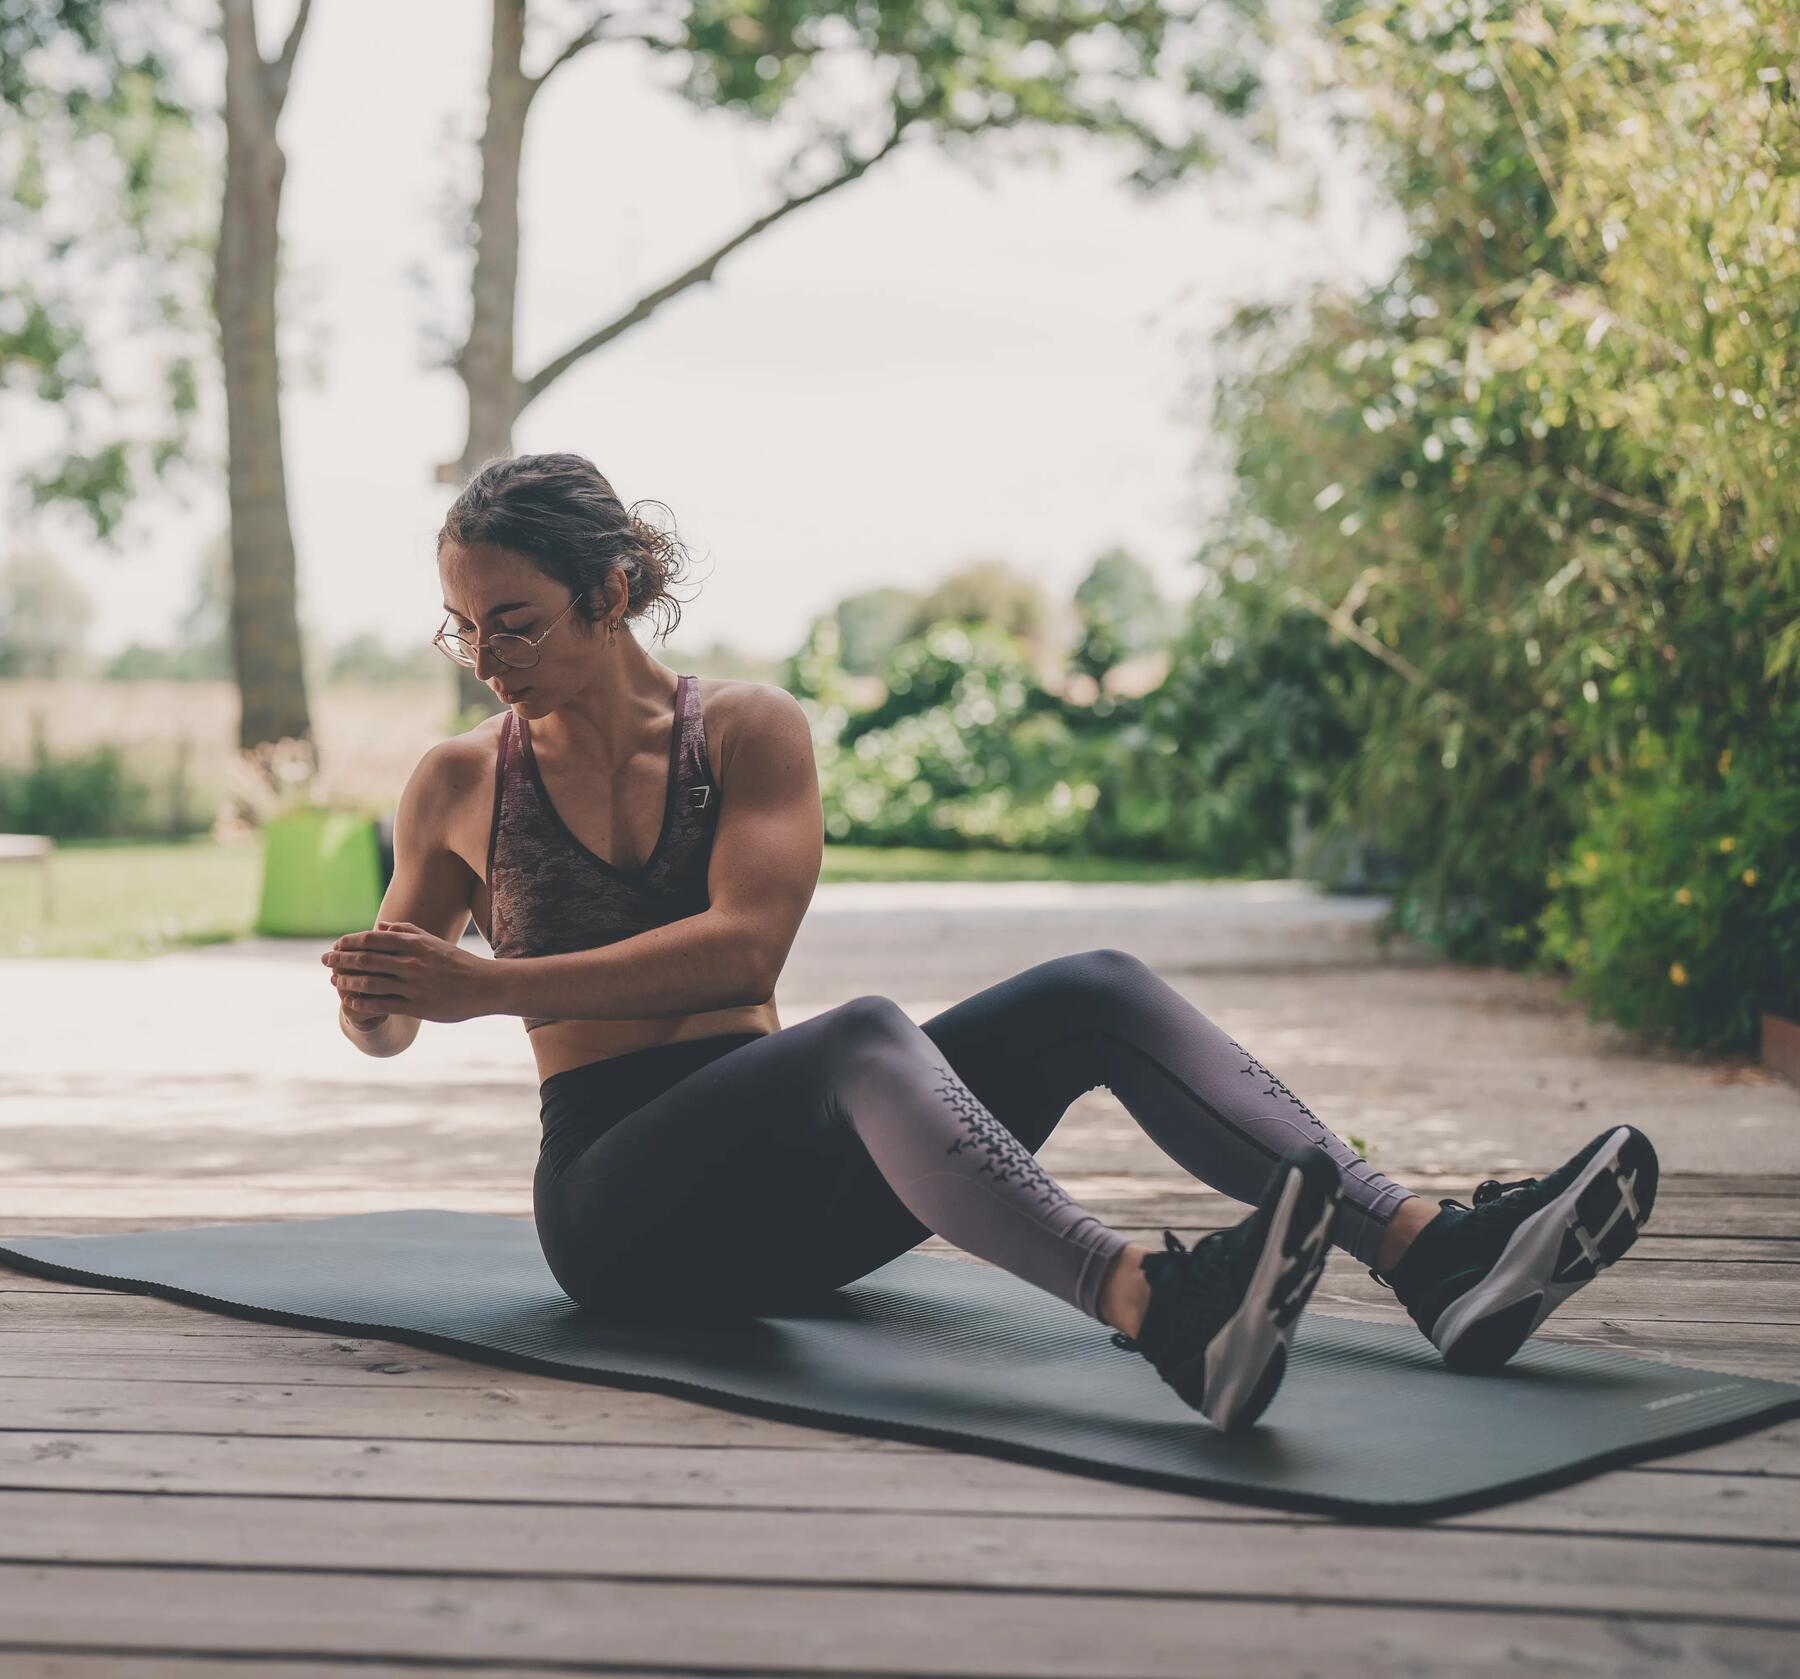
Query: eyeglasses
{"x": 513, "y": 651}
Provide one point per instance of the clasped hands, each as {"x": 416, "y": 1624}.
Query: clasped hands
{"x": 401, "y": 969}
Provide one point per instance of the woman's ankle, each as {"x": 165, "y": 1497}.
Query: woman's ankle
{"x": 1409, "y": 1218}
{"x": 1125, "y": 1290}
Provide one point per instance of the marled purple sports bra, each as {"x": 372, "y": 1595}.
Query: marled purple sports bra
{"x": 548, "y": 893}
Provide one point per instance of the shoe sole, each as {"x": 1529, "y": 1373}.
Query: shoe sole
{"x": 1561, "y": 1248}
{"x": 1247, "y": 1358}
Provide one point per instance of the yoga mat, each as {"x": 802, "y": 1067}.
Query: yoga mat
{"x": 1368, "y": 1425}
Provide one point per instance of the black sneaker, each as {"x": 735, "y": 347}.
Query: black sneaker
{"x": 1221, "y": 1316}
{"x": 1479, "y": 1280}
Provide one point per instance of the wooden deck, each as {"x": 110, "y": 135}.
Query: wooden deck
{"x": 207, "y": 1494}
{"x": 185, "y": 1493}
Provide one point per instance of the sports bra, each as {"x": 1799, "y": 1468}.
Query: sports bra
{"x": 548, "y": 893}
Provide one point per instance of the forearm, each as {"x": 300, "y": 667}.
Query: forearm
{"x": 690, "y": 966}
{"x": 395, "y": 1033}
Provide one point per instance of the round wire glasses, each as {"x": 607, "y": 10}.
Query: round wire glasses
{"x": 514, "y": 651}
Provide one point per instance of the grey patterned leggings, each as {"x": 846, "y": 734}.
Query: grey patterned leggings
{"x": 739, "y": 1172}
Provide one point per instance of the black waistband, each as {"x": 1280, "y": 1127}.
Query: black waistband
{"x": 582, "y": 1103}
{"x": 617, "y": 1084}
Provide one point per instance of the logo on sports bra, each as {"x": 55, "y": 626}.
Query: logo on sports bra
{"x": 697, "y": 797}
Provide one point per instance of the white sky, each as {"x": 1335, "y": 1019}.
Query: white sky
{"x": 920, "y": 370}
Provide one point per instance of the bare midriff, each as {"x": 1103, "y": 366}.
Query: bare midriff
{"x": 561, "y": 1044}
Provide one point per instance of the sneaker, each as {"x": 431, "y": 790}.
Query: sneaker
{"x": 1221, "y": 1315}
{"x": 1479, "y": 1280}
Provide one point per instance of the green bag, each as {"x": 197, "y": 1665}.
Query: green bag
{"x": 322, "y": 874}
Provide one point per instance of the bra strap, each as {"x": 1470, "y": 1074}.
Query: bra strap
{"x": 696, "y": 778}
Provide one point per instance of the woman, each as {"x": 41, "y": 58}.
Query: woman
{"x": 639, "y": 849}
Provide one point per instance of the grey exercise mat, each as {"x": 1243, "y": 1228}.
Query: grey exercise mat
{"x": 1369, "y": 1425}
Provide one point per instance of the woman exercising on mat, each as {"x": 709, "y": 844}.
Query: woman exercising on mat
{"x": 639, "y": 848}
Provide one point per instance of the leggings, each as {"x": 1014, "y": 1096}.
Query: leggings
{"x": 748, "y": 1171}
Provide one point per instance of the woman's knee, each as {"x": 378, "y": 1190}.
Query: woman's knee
{"x": 1109, "y": 962}
{"x": 867, "y": 1041}
{"x": 870, "y": 1018}
{"x": 1084, "y": 975}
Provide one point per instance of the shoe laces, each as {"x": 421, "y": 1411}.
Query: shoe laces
{"x": 1487, "y": 1193}
{"x": 1491, "y": 1190}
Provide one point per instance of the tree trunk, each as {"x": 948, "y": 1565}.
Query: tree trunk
{"x": 485, "y": 363}
{"x": 265, "y": 629}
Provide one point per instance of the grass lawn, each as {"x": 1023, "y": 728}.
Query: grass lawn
{"x": 113, "y": 898}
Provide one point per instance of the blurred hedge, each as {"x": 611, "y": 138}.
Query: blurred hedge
{"x": 1544, "y": 481}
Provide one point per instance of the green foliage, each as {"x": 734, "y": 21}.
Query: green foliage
{"x": 963, "y": 749}
{"x": 1677, "y": 909}
{"x": 814, "y": 672}
{"x": 88, "y": 793}
{"x": 872, "y": 623}
{"x": 1543, "y": 479}
{"x": 103, "y": 161}
{"x": 1159, "y": 78}
{"x": 1252, "y": 719}
{"x": 995, "y": 593}
{"x": 98, "y": 794}
{"x": 1122, "y": 612}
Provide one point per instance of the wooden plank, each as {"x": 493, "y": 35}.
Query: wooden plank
{"x": 1634, "y": 1501}
{"x": 524, "y": 1410}
{"x": 510, "y": 1405}
{"x": 752, "y": 1626}
{"x": 1572, "y": 1572}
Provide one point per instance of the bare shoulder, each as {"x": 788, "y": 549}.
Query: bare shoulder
{"x": 463, "y": 764}
{"x": 451, "y": 787}
{"x": 738, "y": 710}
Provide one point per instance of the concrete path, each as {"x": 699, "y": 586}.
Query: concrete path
{"x": 215, "y": 1083}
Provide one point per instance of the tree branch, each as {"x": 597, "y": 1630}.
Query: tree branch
{"x": 593, "y": 35}
{"x": 579, "y": 44}
{"x": 1618, "y": 498}
{"x": 532, "y": 388}
{"x": 281, "y": 72}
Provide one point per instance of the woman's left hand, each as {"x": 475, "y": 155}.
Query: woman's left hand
{"x": 398, "y": 968}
